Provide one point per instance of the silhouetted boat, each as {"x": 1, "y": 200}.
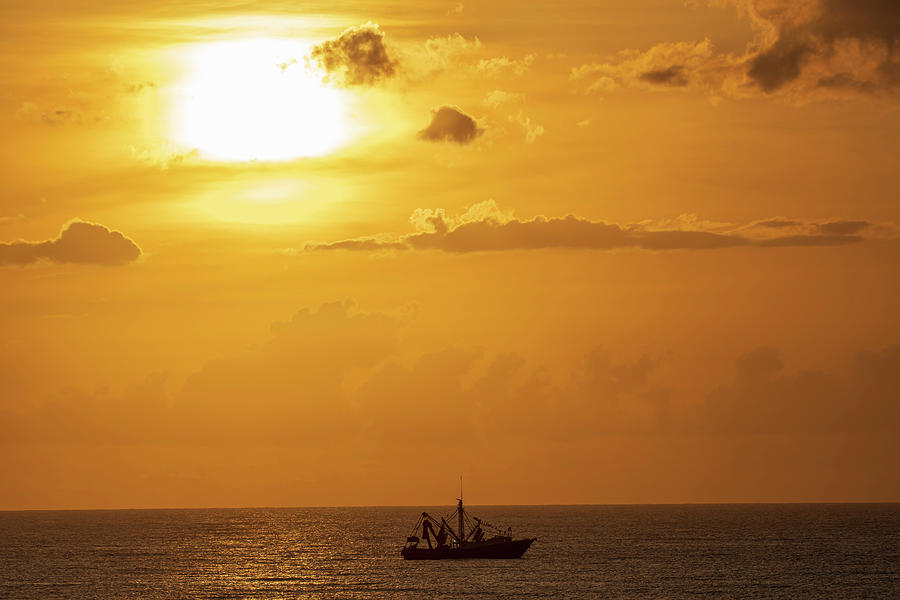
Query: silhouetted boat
{"x": 469, "y": 540}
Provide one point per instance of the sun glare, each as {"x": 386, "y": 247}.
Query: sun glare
{"x": 256, "y": 99}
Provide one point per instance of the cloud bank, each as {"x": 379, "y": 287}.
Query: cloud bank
{"x": 335, "y": 394}
{"x": 79, "y": 242}
{"x": 485, "y": 228}
{"x": 293, "y": 391}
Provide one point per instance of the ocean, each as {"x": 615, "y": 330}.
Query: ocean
{"x": 840, "y": 551}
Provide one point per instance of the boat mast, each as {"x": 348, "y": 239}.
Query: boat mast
{"x": 459, "y": 509}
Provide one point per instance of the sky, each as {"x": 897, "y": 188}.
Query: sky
{"x": 304, "y": 254}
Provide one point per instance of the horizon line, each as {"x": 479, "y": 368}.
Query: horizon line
{"x": 553, "y": 504}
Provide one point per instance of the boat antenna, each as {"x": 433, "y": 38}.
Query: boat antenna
{"x": 462, "y": 534}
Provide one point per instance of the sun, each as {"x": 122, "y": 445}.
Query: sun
{"x": 256, "y": 99}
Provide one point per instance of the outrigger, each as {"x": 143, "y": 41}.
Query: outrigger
{"x": 443, "y": 542}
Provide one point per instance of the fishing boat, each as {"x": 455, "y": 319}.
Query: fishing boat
{"x": 469, "y": 539}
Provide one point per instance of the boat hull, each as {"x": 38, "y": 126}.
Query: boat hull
{"x": 510, "y": 549}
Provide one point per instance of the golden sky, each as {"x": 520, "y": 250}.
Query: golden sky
{"x": 280, "y": 254}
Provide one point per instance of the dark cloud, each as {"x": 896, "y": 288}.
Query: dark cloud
{"x": 357, "y": 57}
{"x": 779, "y": 64}
{"x": 815, "y": 48}
{"x": 449, "y": 123}
{"x": 789, "y": 232}
{"x": 78, "y": 242}
{"x": 778, "y": 223}
{"x": 820, "y": 33}
{"x": 673, "y": 76}
{"x": 811, "y": 240}
{"x": 844, "y": 227}
{"x": 484, "y": 228}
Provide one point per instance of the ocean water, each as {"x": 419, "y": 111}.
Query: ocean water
{"x": 706, "y": 551}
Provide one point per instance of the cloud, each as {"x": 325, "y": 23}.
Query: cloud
{"x": 779, "y": 230}
{"x": 673, "y": 75}
{"x": 811, "y": 240}
{"x": 333, "y": 384}
{"x": 296, "y": 390}
{"x": 450, "y": 123}
{"x": 163, "y": 157}
{"x": 32, "y": 113}
{"x": 293, "y": 391}
{"x": 78, "y": 242}
{"x": 366, "y": 244}
{"x": 361, "y": 56}
{"x": 485, "y": 228}
{"x": 778, "y": 65}
{"x": 346, "y": 409}
{"x": 778, "y": 223}
{"x": 11, "y": 218}
{"x": 501, "y": 66}
{"x": 136, "y": 88}
{"x": 678, "y": 65}
{"x": 356, "y": 57}
{"x": 763, "y": 398}
{"x": 801, "y": 50}
{"x": 92, "y": 98}
{"x": 497, "y": 98}
{"x": 844, "y": 227}
{"x": 531, "y": 130}
{"x": 289, "y": 391}
{"x": 424, "y": 60}
{"x": 849, "y": 43}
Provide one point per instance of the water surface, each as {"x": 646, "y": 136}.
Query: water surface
{"x": 718, "y": 551}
